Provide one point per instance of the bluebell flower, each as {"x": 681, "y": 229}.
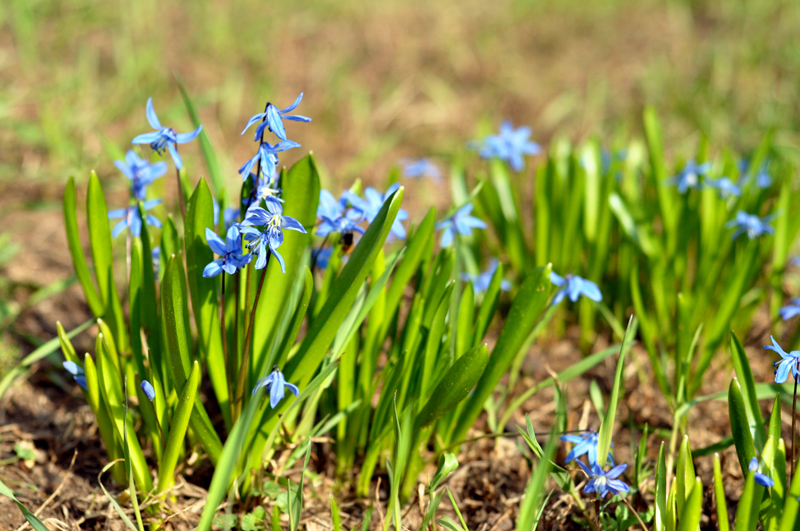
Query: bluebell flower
{"x": 276, "y": 386}
{"x": 76, "y": 371}
{"x": 164, "y": 137}
{"x": 274, "y": 119}
{"x": 574, "y": 287}
{"x": 370, "y": 207}
{"x": 132, "y": 219}
{"x": 267, "y": 154}
{"x": 460, "y": 222}
{"x": 788, "y": 362}
{"x": 585, "y": 444}
{"x": 231, "y": 257}
{"x": 603, "y": 482}
{"x": 762, "y": 177}
{"x": 510, "y": 145}
{"x": 761, "y": 479}
{"x": 414, "y": 168}
{"x": 790, "y": 310}
{"x": 329, "y": 207}
{"x": 140, "y": 172}
{"x": 750, "y": 224}
{"x": 321, "y": 257}
{"x": 689, "y": 176}
{"x": 275, "y": 222}
{"x": 480, "y": 282}
{"x": 724, "y": 186}
{"x": 340, "y": 225}
{"x": 156, "y": 255}
{"x": 147, "y": 389}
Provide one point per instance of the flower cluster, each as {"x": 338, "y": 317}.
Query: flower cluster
{"x": 600, "y": 481}
{"x": 751, "y": 225}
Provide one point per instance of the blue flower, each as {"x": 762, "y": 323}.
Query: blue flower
{"x": 791, "y": 309}
{"x": 751, "y": 224}
{"x": 140, "y": 172}
{"x": 689, "y": 176}
{"x": 368, "y": 209}
{"x": 787, "y": 363}
{"x": 274, "y": 119}
{"x": 762, "y": 177}
{"x": 585, "y": 444}
{"x": 574, "y": 287}
{"x": 164, "y": 137}
{"x": 460, "y": 222}
{"x": 229, "y": 217}
{"x": 133, "y": 219}
{"x": 511, "y": 145}
{"x": 321, "y": 257}
{"x": 147, "y": 389}
{"x": 603, "y": 482}
{"x": 276, "y": 386}
{"x": 268, "y": 155}
{"x": 724, "y": 186}
{"x": 229, "y": 252}
{"x": 76, "y": 371}
{"x": 275, "y": 222}
{"x": 480, "y": 282}
{"x": 761, "y": 479}
{"x": 156, "y": 255}
{"x": 413, "y": 168}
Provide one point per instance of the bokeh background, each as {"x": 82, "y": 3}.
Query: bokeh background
{"x": 382, "y": 80}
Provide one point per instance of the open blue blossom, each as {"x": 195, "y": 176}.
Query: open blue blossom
{"x": 164, "y": 137}
{"x": 689, "y": 176}
{"x": 231, "y": 257}
{"x": 788, "y": 362}
{"x": 791, "y": 309}
{"x": 147, "y": 389}
{"x": 267, "y": 154}
{"x": 414, "y": 168}
{"x": 275, "y": 222}
{"x": 480, "y": 282}
{"x": 460, "y": 222}
{"x": 276, "y": 386}
{"x": 274, "y": 119}
{"x": 132, "y": 219}
{"x": 76, "y": 371}
{"x": 370, "y": 207}
{"x": 761, "y": 479}
{"x": 140, "y": 172}
{"x": 762, "y": 177}
{"x": 585, "y": 444}
{"x": 321, "y": 257}
{"x": 510, "y": 145}
{"x": 603, "y": 482}
{"x": 334, "y": 215}
{"x": 750, "y": 224}
{"x": 724, "y": 186}
{"x": 574, "y": 287}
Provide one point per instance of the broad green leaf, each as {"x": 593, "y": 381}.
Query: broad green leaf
{"x": 748, "y": 386}
{"x": 76, "y": 250}
{"x": 719, "y": 497}
{"x": 177, "y": 430}
{"x": 689, "y": 519}
{"x": 684, "y": 475}
{"x": 740, "y": 427}
{"x": 660, "y": 518}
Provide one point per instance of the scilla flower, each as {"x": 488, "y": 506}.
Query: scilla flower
{"x": 76, "y": 371}
{"x": 267, "y": 154}
{"x": 460, "y": 222}
{"x": 147, "y": 389}
{"x": 132, "y": 219}
{"x": 750, "y": 224}
{"x": 414, "y": 168}
{"x": 164, "y": 137}
{"x": 368, "y": 209}
{"x": 140, "y": 172}
{"x": 787, "y": 363}
{"x": 724, "y": 186}
{"x": 574, "y": 287}
{"x": 276, "y": 386}
{"x": 790, "y": 310}
{"x": 603, "y": 482}
{"x": 761, "y": 479}
{"x": 275, "y": 222}
{"x": 274, "y": 119}
{"x": 689, "y": 176}
{"x": 510, "y": 145}
{"x": 480, "y": 282}
{"x": 585, "y": 444}
{"x": 229, "y": 251}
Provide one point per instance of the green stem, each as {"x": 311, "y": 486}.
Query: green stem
{"x": 240, "y": 384}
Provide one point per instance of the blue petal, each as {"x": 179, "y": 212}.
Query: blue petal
{"x": 277, "y": 255}
{"x": 81, "y": 380}
{"x": 292, "y": 388}
{"x": 72, "y": 368}
{"x": 174, "y": 152}
{"x": 253, "y": 119}
{"x": 447, "y": 237}
{"x": 213, "y": 268}
{"x": 294, "y": 105}
{"x": 118, "y": 228}
{"x": 275, "y": 122}
{"x": 152, "y": 118}
{"x": 146, "y": 138}
{"x": 293, "y": 224}
{"x": 215, "y": 242}
{"x": 183, "y": 138}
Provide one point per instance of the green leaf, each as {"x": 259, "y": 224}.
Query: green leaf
{"x": 740, "y": 427}
{"x": 719, "y": 497}
{"x": 748, "y": 386}
{"x": 76, "y": 250}
{"x": 448, "y": 463}
{"x": 689, "y": 519}
{"x": 35, "y": 523}
{"x": 749, "y": 502}
{"x": 660, "y": 518}
{"x": 775, "y": 419}
{"x": 336, "y": 518}
{"x": 684, "y": 475}
{"x": 530, "y": 506}
{"x": 177, "y": 430}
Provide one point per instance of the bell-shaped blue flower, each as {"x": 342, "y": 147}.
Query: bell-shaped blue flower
{"x": 790, "y": 310}
{"x": 602, "y": 482}
{"x": 231, "y": 257}
{"x": 751, "y": 225}
{"x": 788, "y": 362}
{"x": 724, "y": 187}
{"x": 415, "y": 168}
{"x": 689, "y": 176}
{"x": 164, "y": 137}
{"x": 510, "y": 145}
{"x": 267, "y": 154}
{"x": 140, "y": 172}
{"x": 574, "y": 287}
{"x": 762, "y": 479}
{"x": 76, "y": 371}
{"x": 370, "y": 207}
{"x": 132, "y": 219}
{"x": 276, "y": 386}
{"x": 274, "y": 119}
{"x": 480, "y": 282}
{"x": 274, "y": 222}
{"x": 461, "y": 222}
{"x": 148, "y": 390}
{"x": 585, "y": 444}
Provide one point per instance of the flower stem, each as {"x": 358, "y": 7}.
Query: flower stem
{"x": 794, "y": 424}
{"x": 315, "y": 256}
{"x": 225, "y": 342}
{"x": 158, "y": 423}
{"x": 628, "y": 503}
{"x": 180, "y": 192}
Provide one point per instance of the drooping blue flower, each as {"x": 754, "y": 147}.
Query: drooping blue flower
{"x": 334, "y": 215}
{"x": 276, "y": 386}
{"x": 574, "y": 287}
{"x": 603, "y": 482}
{"x": 164, "y": 137}
{"x": 724, "y": 186}
{"x": 414, "y": 168}
{"x": 133, "y": 219}
{"x": 510, "y": 145}
{"x": 585, "y": 444}
{"x": 788, "y": 362}
{"x": 147, "y": 389}
{"x": 750, "y": 224}
{"x": 689, "y": 176}
{"x": 140, "y": 172}
{"x": 460, "y": 222}
{"x": 274, "y": 119}
{"x": 761, "y": 479}
{"x": 275, "y": 223}
{"x": 790, "y": 310}
{"x": 370, "y": 207}
{"x": 231, "y": 257}
{"x": 321, "y": 257}
{"x": 76, "y": 371}
{"x": 481, "y": 281}
{"x": 267, "y": 154}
